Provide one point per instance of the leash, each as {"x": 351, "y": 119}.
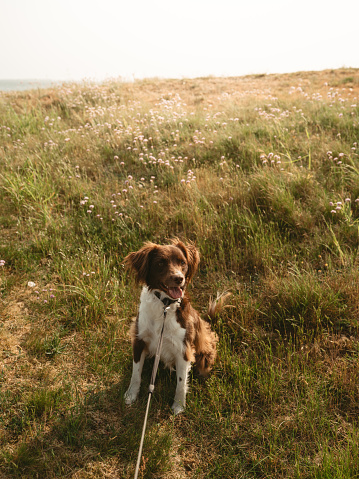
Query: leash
{"x": 166, "y": 304}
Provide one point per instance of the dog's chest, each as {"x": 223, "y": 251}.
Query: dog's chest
{"x": 150, "y": 322}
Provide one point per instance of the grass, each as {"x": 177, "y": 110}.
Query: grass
{"x": 261, "y": 172}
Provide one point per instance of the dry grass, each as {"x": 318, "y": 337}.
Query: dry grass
{"x": 261, "y": 172}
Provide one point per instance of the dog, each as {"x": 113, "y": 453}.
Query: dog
{"x": 165, "y": 272}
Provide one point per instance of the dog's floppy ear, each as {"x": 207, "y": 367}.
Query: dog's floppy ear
{"x": 192, "y": 255}
{"x": 139, "y": 262}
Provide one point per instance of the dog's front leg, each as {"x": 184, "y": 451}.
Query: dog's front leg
{"x": 182, "y": 369}
{"x": 139, "y": 355}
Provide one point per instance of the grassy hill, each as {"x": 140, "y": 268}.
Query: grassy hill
{"x": 262, "y": 173}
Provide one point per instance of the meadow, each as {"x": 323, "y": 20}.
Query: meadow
{"x": 262, "y": 174}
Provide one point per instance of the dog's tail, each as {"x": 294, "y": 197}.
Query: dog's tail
{"x": 215, "y": 305}
{"x": 206, "y": 339}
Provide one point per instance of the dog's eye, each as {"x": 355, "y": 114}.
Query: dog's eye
{"x": 161, "y": 264}
{"x": 183, "y": 263}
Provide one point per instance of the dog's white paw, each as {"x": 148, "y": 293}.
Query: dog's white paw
{"x": 130, "y": 396}
{"x": 177, "y": 408}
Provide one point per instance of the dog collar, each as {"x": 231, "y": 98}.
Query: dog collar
{"x": 166, "y": 301}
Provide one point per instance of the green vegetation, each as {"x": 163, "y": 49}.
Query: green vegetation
{"x": 262, "y": 173}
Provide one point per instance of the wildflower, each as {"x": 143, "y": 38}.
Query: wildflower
{"x": 333, "y": 211}
{"x": 2, "y": 262}
{"x": 31, "y": 284}
{"x": 347, "y": 200}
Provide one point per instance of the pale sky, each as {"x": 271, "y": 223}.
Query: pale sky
{"x": 78, "y": 39}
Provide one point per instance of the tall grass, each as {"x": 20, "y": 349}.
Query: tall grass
{"x": 262, "y": 174}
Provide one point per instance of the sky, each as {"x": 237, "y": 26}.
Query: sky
{"x": 132, "y": 39}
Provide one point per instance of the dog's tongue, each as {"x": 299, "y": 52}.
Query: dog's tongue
{"x": 175, "y": 293}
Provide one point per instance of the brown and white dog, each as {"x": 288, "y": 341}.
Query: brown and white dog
{"x": 165, "y": 272}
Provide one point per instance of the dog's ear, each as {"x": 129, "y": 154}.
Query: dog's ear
{"x": 139, "y": 262}
{"x": 192, "y": 255}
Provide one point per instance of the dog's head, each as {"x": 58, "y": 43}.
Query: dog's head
{"x": 167, "y": 268}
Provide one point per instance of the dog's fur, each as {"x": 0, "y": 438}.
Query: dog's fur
{"x": 187, "y": 338}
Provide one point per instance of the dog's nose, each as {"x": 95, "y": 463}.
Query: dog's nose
{"x": 178, "y": 279}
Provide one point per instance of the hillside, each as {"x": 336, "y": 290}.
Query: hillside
{"x": 262, "y": 174}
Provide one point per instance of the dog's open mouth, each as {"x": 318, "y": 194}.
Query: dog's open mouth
{"x": 175, "y": 292}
